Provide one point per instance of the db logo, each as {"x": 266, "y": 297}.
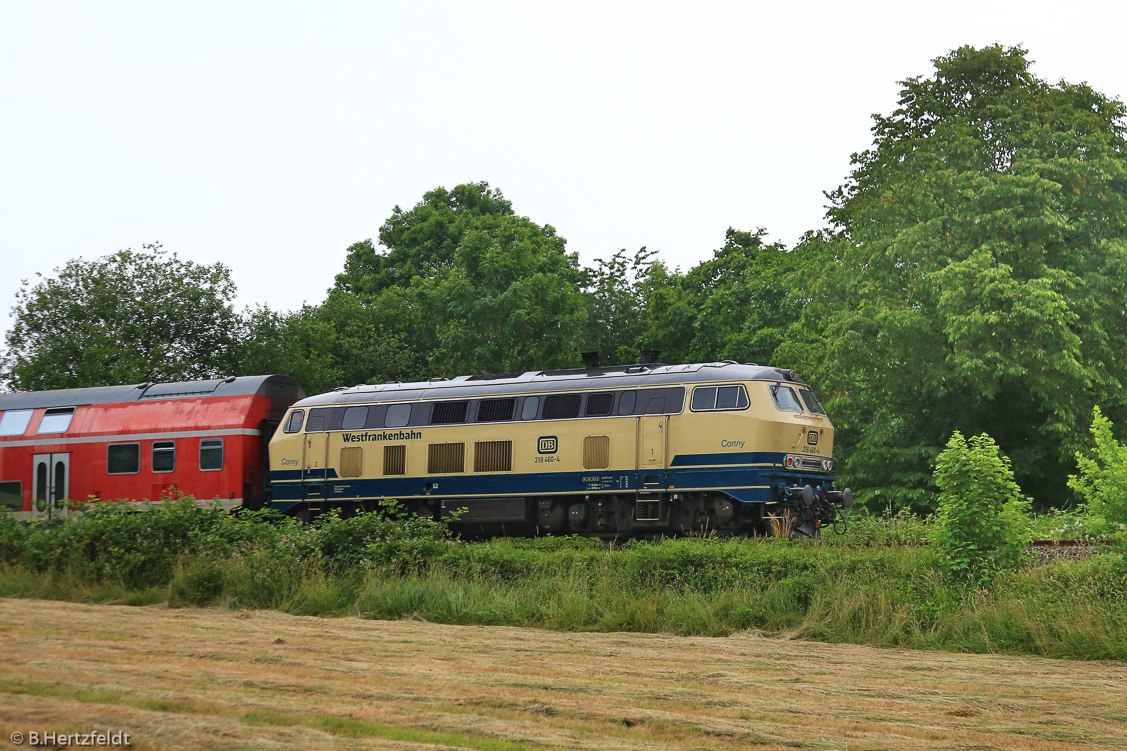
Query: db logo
{"x": 547, "y": 444}
{"x": 812, "y": 438}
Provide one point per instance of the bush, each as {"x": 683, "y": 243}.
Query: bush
{"x": 982, "y": 525}
{"x": 1102, "y": 482}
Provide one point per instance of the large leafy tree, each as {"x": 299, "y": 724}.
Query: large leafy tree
{"x": 978, "y": 250}
{"x": 618, "y": 291}
{"x": 510, "y": 302}
{"x": 421, "y": 241}
{"x": 458, "y": 283}
{"x": 124, "y": 318}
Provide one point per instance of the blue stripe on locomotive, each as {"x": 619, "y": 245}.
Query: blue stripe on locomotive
{"x": 732, "y": 474}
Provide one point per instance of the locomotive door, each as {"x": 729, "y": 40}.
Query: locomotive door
{"x": 315, "y": 463}
{"x": 652, "y": 436}
{"x": 50, "y": 485}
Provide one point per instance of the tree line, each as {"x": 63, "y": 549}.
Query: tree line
{"x": 969, "y": 278}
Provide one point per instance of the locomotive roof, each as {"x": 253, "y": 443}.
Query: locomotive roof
{"x": 577, "y": 379}
{"x": 269, "y": 385}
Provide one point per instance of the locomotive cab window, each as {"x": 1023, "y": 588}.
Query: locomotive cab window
{"x": 716, "y": 398}
{"x": 812, "y": 402}
{"x": 211, "y": 454}
{"x": 15, "y": 421}
{"x": 123, "y": 458}
{"x": 293, "y": 424}
{"x": 785, "y": 398}
{"x": 164, "y": 456}
{"x": 56, "y": 420}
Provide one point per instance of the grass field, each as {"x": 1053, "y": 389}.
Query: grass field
{"x": 221, "y": 679}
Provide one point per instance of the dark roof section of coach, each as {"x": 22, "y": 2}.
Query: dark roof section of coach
{"x": 275, "y": 386}
{"x": 578, "y": 379}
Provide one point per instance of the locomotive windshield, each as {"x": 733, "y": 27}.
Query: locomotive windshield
{"x": 785, "y": 398}
{"x": 812, "y": 402}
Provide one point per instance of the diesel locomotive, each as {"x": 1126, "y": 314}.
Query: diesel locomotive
{"x": 637, "y": 450}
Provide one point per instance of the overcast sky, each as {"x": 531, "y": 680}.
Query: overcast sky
{"x": 272, "y": 135}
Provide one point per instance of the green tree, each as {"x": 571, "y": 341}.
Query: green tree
{"x": 983, "y": 521}
{"x": 617, "y": 292}
{"x": 510, "y": 302}
{"x": 341, "y": 342}
{"x": 973, "y": 273}
{"x": 1102, "y": 481}
{"x": 421, "y": 241}
{"x": 124, "y": 318}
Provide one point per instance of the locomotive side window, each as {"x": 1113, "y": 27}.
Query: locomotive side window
{"x": 528, "y": 411}
{"x": 294, "y": 423}
{"x": 561, "y": 406}
{"x": 626, "y": 402}
{"x": 496, "y": 410}
{"x": 448, "y": 413}
{"x": 164, "y": 456}
{"x": 812, "y": 402}
{"x": 715, "y": 398}
{"x": 316, "y": 422}
{"x": 56, "y": 420}
{"x": 398, "y": 415}
{"x": 123, "y": 459}
{"x": 211, "y": 454}
{"x": 354, "y": 418}
{"x": 785, "y": 398}
{"x": 395, "y": 460}
{"x": 15, "y": 421}
{"x": 600, "y": 404}
{"x": 11, "y": 496}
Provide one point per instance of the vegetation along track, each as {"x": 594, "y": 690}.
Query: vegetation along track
{"x": 220, "y": 679}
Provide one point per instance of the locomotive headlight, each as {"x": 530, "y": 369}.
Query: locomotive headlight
{"x": 827, "y": 464}
{"x": 790, "y": 461}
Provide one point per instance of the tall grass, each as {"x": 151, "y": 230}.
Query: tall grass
{"x": 871, "y": 592}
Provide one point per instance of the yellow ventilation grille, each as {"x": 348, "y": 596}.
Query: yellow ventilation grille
{"x": 395, "y": 460}
{"x": 596, "y": 452}
{"x": 493, "y": 456}
{"x": 446, "y": 458}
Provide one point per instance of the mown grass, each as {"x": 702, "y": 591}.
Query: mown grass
{"x": 872, "y": 591}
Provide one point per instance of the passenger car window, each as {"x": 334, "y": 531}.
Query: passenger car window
{"x": 164, "y": 456}
{"x": 15, "y": 421}
{"x": 123, "y": 458}
{"x": 211, "y": 454}
{"x": 56, "y": 420}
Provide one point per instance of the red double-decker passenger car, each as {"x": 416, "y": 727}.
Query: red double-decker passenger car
{"x": 207, "y": 439}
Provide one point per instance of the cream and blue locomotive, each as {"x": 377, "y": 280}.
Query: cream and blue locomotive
{"x": 638, "y": 450}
